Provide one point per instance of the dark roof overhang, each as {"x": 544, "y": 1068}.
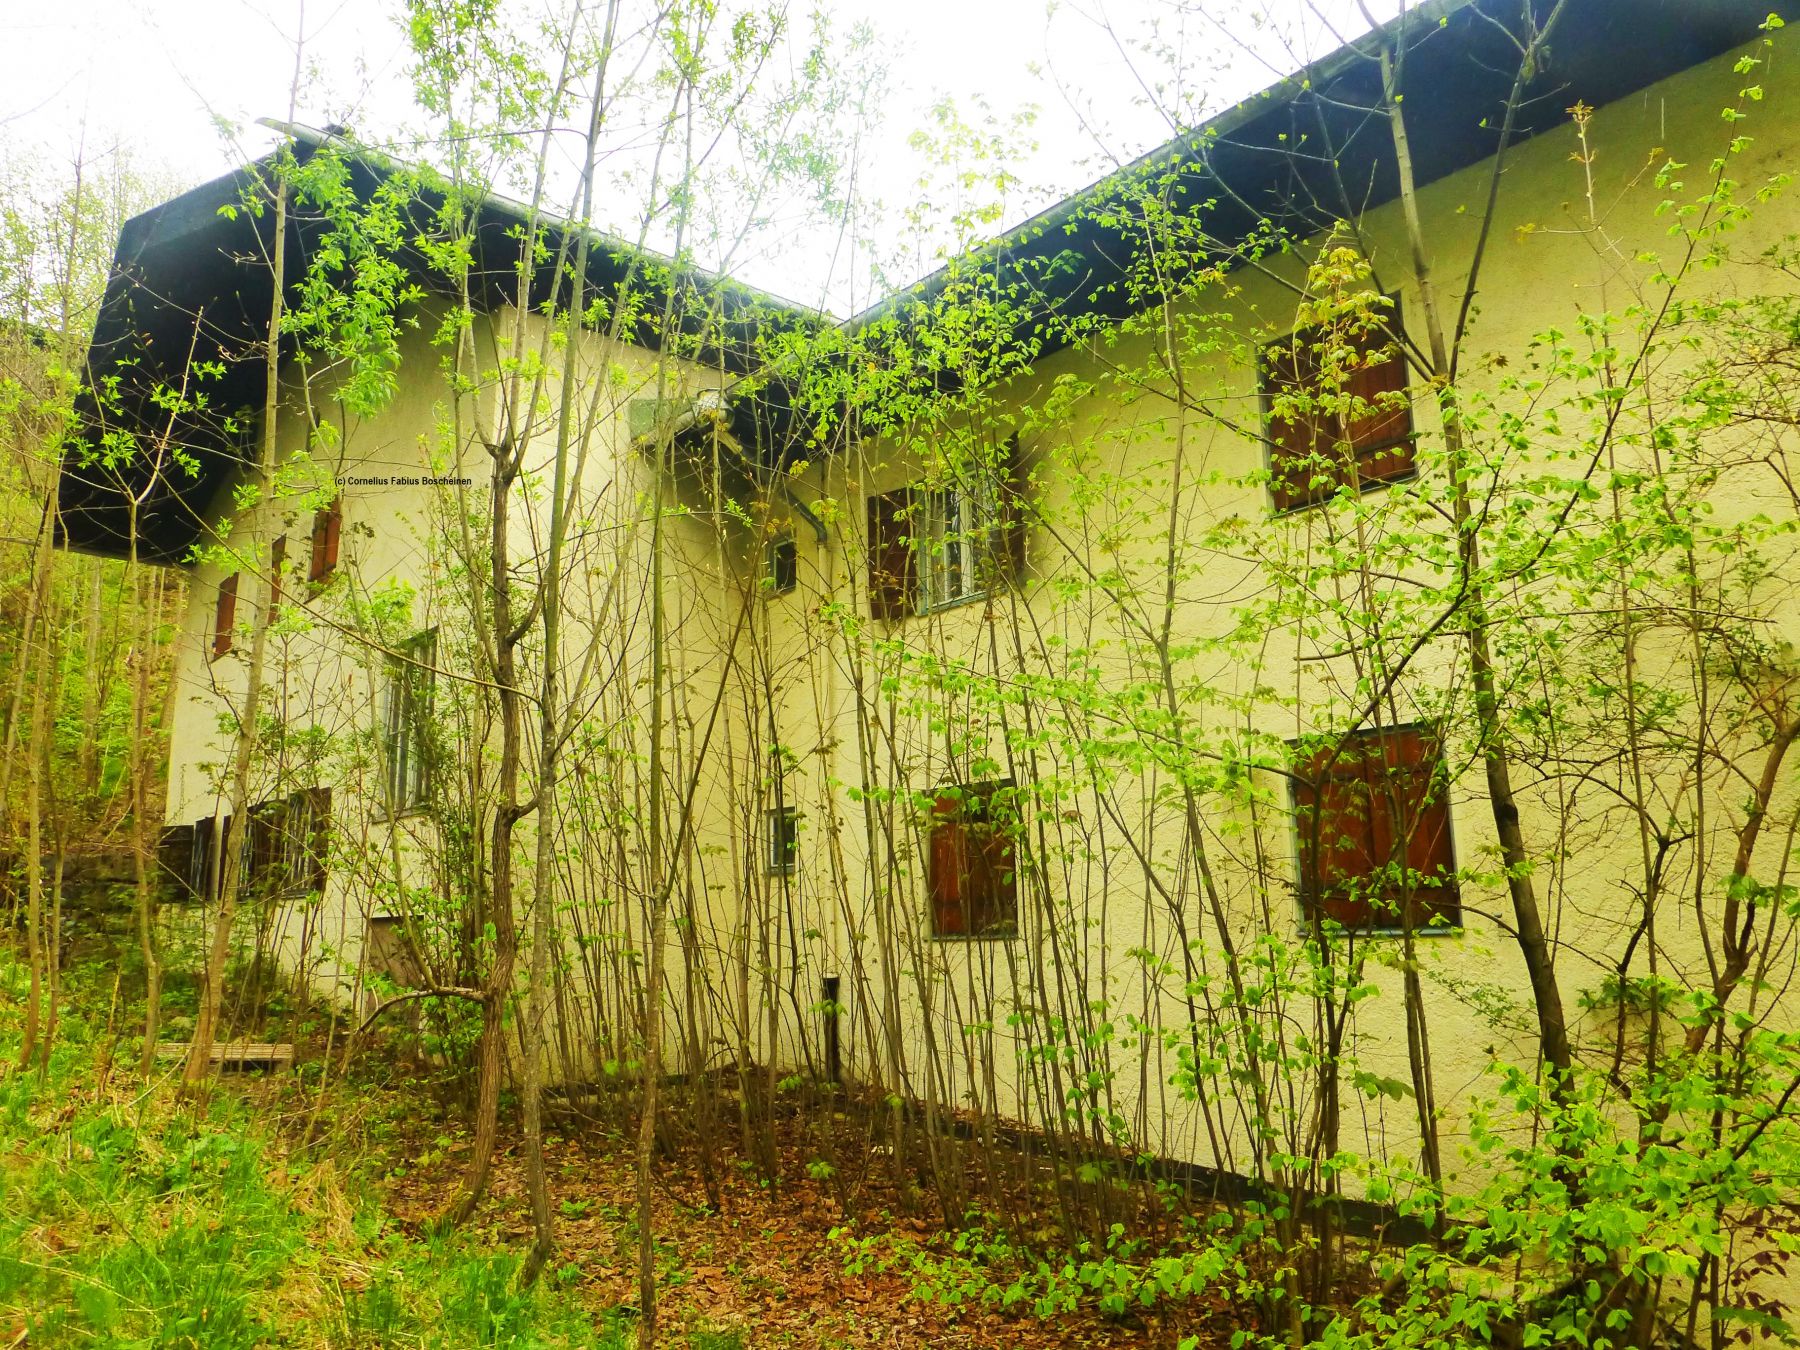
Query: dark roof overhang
{"x": 1316, "y": 148}
{"x": 186, "y": 309}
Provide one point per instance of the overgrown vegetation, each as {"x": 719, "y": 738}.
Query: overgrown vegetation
{"x": 1260, "y": 780}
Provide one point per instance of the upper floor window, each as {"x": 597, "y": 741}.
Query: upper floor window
{"x": 781, "y": 565}
{"x": 405, "y": 723}
{"x": 328, "y": 522}
{"x": 1372, "y": 824}
{"x": 224, "y": 615}
{"x": 1338, "y": 412}
{"x": 931, "y": 547}
{"x": 971, "y": 865}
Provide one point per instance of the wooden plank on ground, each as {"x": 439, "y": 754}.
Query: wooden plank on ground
{"x": 237, "y": 1054}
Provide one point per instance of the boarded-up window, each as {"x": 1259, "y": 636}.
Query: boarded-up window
{"x": 1355, "y": 427}
{"x": 224, "y": 615}
{"x": 327, "y": 523}
{"x": 1372, "y": 821}
{"x": 973, "y": 876}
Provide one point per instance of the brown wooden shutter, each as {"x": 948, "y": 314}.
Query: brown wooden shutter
{"x": 277, "y": 559}
{"x": 1381, "y": 438}
{"x": 1333, "y": 799}
{"x": 948, "y": 865}
{"x": 893, "y": 576}
{"x": 993, "y": 879}
{"x": 326, "y": 526}
{"x": 1381, "y": 807}
{"x": 1299, "y": 445}
{"x": 1418, "y": 837}
{"x": 225, "y": 615}
{"x": 1009, "y": 543}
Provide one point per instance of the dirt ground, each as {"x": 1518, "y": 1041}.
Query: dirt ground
{"x": 760, "y": 1263}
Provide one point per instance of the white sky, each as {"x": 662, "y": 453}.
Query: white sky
{"x": 151, "y": 76}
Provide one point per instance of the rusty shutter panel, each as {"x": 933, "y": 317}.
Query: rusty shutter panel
{"x": 224, "y": 615}
{"x": 1422, "y": 843}
{"x": 893, "y": 576}
{"x": 948, "y": 866}
{"x": 1300, "y": 445}
{"x": 1336, "y": 832}
{"x": 277, "y": 559}
{"x": 1009, "y": 550}
{"x": 1381, "y": 438}
{"x": 326, "y": 527}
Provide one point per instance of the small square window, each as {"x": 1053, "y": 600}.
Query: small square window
{"x": 782, "y": 838}
{"x": 783, "y": 565}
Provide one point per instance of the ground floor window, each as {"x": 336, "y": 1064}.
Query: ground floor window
{"x": 972, "y": 867}
{"x": 1372, "y": 829}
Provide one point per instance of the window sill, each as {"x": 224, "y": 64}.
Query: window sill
{"x": 381, "y": 817}
{"x": 1010, "y": 933}
{"x": 961, "y": 602}
{"x": 1364, "y": 486}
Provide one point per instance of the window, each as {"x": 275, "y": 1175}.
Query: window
{"x": 955, "y": 528}
{"x": 1358, "y": 425}
{"x": 973, "y": 879}
{"x": 289, "y": 837}
{"x": 327, "y": 523}
{"x": 1373, "y": 829}
{"x": 301, "y": 851}
{"x": 782, "y": 564}
{"x": 405, "y": 714}
{"x": 781, "y": 833}
{"x": 224, "y": 615}
{"x": 934, "y": 547}
{"x": 201, "y": 859}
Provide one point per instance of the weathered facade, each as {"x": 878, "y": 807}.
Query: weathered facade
{"x": 973, "y": 723}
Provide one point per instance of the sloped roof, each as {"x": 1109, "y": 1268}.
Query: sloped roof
{"x": 1311, "y": 149}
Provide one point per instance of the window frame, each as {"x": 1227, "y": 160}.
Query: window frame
{"x": 781, "y": 841}
{"x": 973, "y": 534}
{"x": 1436, "y": 773}
{"x": 1392, "y": 329}
{"x": 404, "y": 713}
{"x": 782, "y": 546}
{"x": 1005, "y": 927}
{"x": 911, "y": 533}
